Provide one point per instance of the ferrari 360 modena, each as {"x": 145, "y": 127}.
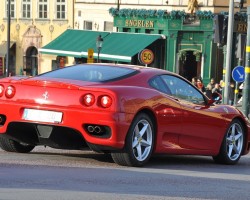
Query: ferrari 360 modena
{"x": 131, "y": 112}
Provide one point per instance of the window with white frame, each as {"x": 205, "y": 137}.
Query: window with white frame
{"x": 108, "y": 26}
{"x": 79, "y": 13}
{"x": 12, "y": 9}
{"x": 60, "y": 9}
{"x": 43, "y": 9}
{"x": 87, "y": 25}
{"x": 26, "y": 9}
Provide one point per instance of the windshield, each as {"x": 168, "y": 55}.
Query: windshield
{"x": 92, "y": 73}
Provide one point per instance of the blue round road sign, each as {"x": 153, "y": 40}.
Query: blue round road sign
{"x": 238, "y": 74}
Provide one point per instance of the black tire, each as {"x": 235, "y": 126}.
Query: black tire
{"x": 13, "y": 146}
{"x": 139, "y": 143}
{"x": 232, "y": 144}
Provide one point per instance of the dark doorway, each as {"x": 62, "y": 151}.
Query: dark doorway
{"x": 31, "y": 61}
{"x": 189, "y": 66}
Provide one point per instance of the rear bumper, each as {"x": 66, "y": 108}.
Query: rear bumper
{"x": 73, "y": 123}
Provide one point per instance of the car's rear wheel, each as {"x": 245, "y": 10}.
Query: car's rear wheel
{"x": 139, "y": 143}
{"x": 14, "y": 146}
{"x": 232, "y": 145}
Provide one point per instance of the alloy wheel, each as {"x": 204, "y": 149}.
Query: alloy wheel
{"x": 234, "y": 141}
{"x": 142, "y": 140}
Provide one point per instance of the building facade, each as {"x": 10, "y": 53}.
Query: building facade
{"x": 189, "y": 47}
{"x": 187, "y": 44}
{"x": 34, "y": 23}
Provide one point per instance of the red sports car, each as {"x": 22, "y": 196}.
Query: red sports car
{"x": 131, "y": 112}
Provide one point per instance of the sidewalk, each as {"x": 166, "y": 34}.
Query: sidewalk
{"x": 239, "y": 106}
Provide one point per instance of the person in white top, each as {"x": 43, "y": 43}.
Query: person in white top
{"x": 241, "y": 87}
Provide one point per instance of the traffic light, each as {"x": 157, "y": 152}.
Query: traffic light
{"x": 220, "y": 29}
{"x": 224, "y": 30}
{"x": 218, "y": 23}
{"x": 240, "y": 45}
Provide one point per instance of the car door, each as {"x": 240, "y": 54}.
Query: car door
{"x": 201, "y": 125}
{"x": 169, "y": 116}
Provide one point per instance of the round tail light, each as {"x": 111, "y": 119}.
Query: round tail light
{"x": 10, "y": 91}
{"x": 1, "y": 90}
{"x": 88, "y": 99}
{"x": 106, "y": 101}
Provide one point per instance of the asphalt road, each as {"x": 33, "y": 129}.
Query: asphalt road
{"x": 63, "y": 175}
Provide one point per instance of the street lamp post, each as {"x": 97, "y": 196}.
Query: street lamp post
{"x": 229, "y": 51}
{"x": 99, "y": 41}
{"x": 8, "y": 41}
{"x": 246, "y": 92}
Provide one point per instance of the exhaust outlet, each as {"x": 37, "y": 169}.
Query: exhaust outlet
{"x": 98, "y": 129}
{"x": 91, "y": 129}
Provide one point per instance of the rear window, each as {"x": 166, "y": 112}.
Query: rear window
{"x": 92, "y": 73}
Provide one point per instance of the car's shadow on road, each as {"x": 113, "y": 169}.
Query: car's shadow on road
{"x": 156, "y": 162}
{"x": 198, "y": 164}
{"x": 86, "y": 154}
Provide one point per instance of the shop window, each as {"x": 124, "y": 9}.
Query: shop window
{"x": 126, "y": 30}
{"x": 61, "y": 61}
{"x": 160, "y": 32}
{"x": 108, "y": 26}
{"x": 54, "y": 64}
{"x": 149, "y": 31}
{"x": 88, "y": 25}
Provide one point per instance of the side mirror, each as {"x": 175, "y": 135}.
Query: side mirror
{"x": 216, "y": 97}
{"x": 210, "y": 102}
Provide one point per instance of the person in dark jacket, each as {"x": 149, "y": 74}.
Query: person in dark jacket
{"x": 231, "y": 94}
{"x": 200, "y": 85}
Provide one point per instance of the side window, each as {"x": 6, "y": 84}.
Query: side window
{"x": 183, "y": 90}
{"x": 159, "y": 85}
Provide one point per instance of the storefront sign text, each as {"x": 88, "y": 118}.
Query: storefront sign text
{"x": 241, "y": 28}
{"x": 139, "y": 23}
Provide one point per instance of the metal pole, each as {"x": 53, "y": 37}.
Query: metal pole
{"x": 229, "y": 50}
{"x": 118, "y": 8}
{"x": 236, "y": 90}
{"x": 98, "y": 53}
{"x": 224, "y": 68}
{"x": 8, "y": 41}
{"x": 118, "y": 4}
{"x": 99, "y": 41}
{"x": 246, "y": 88}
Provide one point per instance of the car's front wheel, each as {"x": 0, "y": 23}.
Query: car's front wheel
{"x": 232, "y": 145}
{"x": 13, "y": 146}
{"x": 139, "y": 143}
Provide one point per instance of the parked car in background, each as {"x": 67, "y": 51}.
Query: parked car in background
{"x": 128, "y": 111}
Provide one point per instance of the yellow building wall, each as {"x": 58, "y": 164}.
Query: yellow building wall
{"x": 48, "y": 29}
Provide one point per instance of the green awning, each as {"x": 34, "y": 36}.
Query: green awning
{"x": 116, "y": 46}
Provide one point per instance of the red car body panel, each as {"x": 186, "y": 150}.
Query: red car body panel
{"x": 181, "y": 127}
